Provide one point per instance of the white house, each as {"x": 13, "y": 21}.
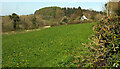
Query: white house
{"x": 84, "y": 17}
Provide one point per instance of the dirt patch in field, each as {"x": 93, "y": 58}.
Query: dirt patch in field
{"x": 14, "y": 32}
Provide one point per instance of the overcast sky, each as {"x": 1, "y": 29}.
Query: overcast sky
{"x": 24, "y": 7}
{"x": 54, "y": 0}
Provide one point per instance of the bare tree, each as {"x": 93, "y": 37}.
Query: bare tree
{"x": 113, "y": 8}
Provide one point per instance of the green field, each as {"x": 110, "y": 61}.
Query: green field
{"x": 51, "y": 47}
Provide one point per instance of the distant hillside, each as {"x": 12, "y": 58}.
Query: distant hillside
{"x": 48, "y": 13}
{"x": 55, "y": 14}
{"x": 52, "y": 16}
{"x": 92, "y": 14}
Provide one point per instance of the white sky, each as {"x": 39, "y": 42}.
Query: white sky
{"x": 8, "y": 7}
{"x": 54, "y": 0}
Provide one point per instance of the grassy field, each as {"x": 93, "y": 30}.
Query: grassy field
{"x": 51, "y": 47}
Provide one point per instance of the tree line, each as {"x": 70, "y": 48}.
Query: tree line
{"x": 46, "y": 16}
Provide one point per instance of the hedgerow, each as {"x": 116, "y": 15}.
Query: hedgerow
{"x": 105, "y": 43}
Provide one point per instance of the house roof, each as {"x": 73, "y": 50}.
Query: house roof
{"x": 83, "y": 17}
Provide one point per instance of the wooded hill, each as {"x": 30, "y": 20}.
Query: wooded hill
{"x": 47, "y": 16}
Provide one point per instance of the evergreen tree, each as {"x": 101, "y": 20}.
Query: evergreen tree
{"x": 16, "y": 20}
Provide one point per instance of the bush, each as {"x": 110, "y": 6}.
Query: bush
{"x": 25, "y": 22}
{"x": 105, "y": 44}
{"x": 39, "y": 21}
{"x": 64, "y": 20}
{"x": 7, "y": 24}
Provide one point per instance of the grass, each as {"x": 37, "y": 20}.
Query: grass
{"x": 51, "y": 47}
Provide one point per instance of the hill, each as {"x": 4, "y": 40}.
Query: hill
{"x": 52, "y": 16}
{"x": 49, "y": 13}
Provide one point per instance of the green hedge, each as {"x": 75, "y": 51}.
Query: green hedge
{"x": 105, "y": 44}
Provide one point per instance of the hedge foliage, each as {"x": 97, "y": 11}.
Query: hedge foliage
{"x": 105, "y": 44}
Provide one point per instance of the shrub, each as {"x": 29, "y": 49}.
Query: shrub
{"x": 7, "y": 24}
{"x": 105, "y": 44}
{"x": 39, "y": 21}
{"x": 64, "y": 20}
{"x": 26, "y": 22}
